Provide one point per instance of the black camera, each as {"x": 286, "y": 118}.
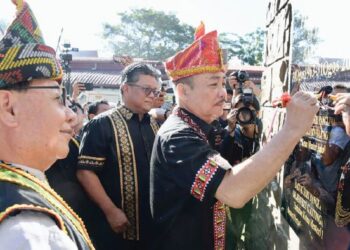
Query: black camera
{"x": 66, "y": 57}
{"x": 245, "y": 115}
{"x": 88, "y": 86}
{"x": 242, "y": 76}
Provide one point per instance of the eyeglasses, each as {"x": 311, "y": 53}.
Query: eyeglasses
{"x": 18, "y": 87}
{"x": 147, "y": 91}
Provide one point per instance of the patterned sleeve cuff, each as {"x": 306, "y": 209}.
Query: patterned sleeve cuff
{"x": 209, "y": 175}
{"x": 203, "y": 178}
{"x": 89, "y": 162}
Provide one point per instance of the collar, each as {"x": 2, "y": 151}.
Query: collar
{"x": 205, "y": 127}
{"x": 35, "y": 172}
{"x": 128, "y": 114}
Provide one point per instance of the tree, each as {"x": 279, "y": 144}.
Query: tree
{"x": 248, "y": 48}
{"x": 148, "y": 34}
{"x": 304, "y": 39}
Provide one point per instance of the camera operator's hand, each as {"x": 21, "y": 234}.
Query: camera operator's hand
{"x": 251, "y": 85}
{"x": 342, "y": 106}
{"x": 232, "y": 120}
{"x": 301, "y": 111}
{"x": 78, "y": 87}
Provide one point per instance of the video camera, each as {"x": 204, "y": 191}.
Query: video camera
{"x": 244, "y": 114}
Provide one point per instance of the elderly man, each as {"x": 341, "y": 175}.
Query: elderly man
{"x": 114, "y": 159}
{"x": 35, "y": 128}
{"x": 190, "y": 181}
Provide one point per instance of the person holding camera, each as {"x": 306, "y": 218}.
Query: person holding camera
{"x": 238, "y": 78}
{"x": 244, "y": 129}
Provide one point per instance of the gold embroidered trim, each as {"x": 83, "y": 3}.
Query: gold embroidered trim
{"x": 76, "y": 142}
{"x": 58, "y": 219}
{"x": 48, "y": 193}
{"x": 196, "y": 70}
{"x": 91, "y": 161}
{"x": 125, "y": 112}
{"x": 154, "y": 125}
{"x": 92, "y": 158}
{"x": 127, "y": 170}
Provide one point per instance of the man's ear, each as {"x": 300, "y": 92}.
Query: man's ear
{"x": 181, "y": 89}
{"x": 124, "y": 88}
{"x": 7, "y": 114}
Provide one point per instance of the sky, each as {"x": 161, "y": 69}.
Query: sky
{"x": 82, "y": 20}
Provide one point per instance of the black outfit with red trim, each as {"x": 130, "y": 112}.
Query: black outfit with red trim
{"x": 185, "y": 174}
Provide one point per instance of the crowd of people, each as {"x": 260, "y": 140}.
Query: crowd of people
{"x": 139, "y": 175}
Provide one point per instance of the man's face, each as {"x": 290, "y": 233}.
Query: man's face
{"x": 207, "y": 96}
{"x": 159, "y": 101}
{"x": 233, "y": 82}
{"x": 44, "y": 123}
{"x": 136, "y": 96}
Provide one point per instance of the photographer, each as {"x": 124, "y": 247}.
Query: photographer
{"x": 244, "y": 128}
{"x": 240, "y": 79}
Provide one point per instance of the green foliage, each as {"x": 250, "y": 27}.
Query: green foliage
{"x": 304, "y": 39}
{"x": 148, "y": 34}
{"x": 248, "y": 48}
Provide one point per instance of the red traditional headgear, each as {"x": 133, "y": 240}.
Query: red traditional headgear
{"x": 202, "y": 56}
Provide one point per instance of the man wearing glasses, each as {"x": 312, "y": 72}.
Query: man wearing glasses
{"x": 35, "y": 128}
{"x": 113, "y": 164}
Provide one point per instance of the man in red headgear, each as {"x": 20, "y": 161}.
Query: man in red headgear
{"x": 35, "y": 128}
{"x": 190, "y": 181}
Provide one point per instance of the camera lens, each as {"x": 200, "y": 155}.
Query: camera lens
{"x": 242, "y": 76}
{"x": 245, "y": 115}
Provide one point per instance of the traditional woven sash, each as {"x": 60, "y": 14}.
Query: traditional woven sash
{"x": 61, "y": 211}
{"x": 127, "y": 169}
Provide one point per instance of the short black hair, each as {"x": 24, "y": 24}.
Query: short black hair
{"x": 20, "y": 86}
{"x": 254, "y": 102}
{"x": 75, "y": 106}
{"x": 93, "y": 107}
{"x": 132, "y": 72}
{"x": 186, "y": 80}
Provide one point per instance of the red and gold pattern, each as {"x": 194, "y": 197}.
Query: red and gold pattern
{"x": 186, "y": 118}
{"x": 203, "y": 177}
{"x": 23, "y": 54}
{"x": 202, "y": 56}
{"x": 219, "y": 226}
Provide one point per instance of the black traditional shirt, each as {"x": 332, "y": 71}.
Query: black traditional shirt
{"x": 117, "y": 146}
{"x": 62, "y": 177}
{"x": 185, "y": 174}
